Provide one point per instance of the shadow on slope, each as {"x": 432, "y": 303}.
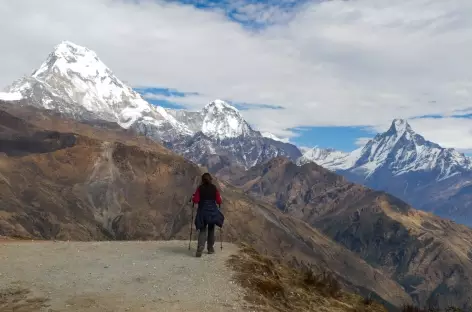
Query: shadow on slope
{"x": 427, "y": 255}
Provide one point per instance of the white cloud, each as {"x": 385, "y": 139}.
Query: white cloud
{"x": 345, "y": 63}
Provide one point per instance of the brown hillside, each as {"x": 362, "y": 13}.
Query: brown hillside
{"x": 429, "y": 256}
{"x": 110, "y": 184}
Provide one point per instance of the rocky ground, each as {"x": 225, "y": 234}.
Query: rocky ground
{"x": 115, "y": 276}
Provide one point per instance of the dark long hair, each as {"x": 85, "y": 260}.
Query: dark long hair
{"x": 206, "y": 179}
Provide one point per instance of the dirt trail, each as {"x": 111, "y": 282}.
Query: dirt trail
{"x": 115, "y": 276}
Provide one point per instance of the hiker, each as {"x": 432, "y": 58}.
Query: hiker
{"x": 207, "y": 197}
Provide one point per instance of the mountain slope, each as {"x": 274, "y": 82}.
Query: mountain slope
{"x": 404, "y": 164}
{"x": 112, "y": 184}
{"x": 427, "y": 255}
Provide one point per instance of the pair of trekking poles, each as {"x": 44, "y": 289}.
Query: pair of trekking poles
{"x": 191, "y": 228}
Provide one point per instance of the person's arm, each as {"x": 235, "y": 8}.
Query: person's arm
{"x": 196, "y": 196}
{"x": 218, "y": 197}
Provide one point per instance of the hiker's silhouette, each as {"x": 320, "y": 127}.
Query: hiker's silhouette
{"x": 208, "y": 198}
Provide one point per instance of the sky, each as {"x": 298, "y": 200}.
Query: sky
{"x": 327, "y": 73}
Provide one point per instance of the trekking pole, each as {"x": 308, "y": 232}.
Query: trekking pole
{"x": 191, "y": 228}
{"x": 221, "y": 235}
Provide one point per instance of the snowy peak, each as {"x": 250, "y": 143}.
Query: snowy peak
{"x": 327, "y": 157}
{"x": 399, "y": 129}
{"x": 73, "y": 80}
{"x": 400, "y": 126}
{"x": 400, "y": 150}
{"x": 71, "y": 59}
{"x": 220, "y": 106}
{"x": 68, "y": 56}
{"x": 223, "y": 121}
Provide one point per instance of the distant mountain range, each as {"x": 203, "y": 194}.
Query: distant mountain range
{"x": 76, "y": 83}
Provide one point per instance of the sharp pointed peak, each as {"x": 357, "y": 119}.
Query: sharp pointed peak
{"x": 71, "y": 53}
{"x": 70, "y": 56}
{"x": 220, "y": 105}
{"x": 68, "y": 47}
{"x": 399, "y": 126}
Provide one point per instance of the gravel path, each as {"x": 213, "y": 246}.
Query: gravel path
{"x": 116, "y": 276}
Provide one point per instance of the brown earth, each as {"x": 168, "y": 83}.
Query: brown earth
{"x": 429, "y": 256}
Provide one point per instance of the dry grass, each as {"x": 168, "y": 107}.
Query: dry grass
{"x": 20, "y": 300}
{"x": 273, "y": 286}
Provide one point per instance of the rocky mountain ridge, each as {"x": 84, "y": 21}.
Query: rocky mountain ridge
{"x": 429, "y": 256}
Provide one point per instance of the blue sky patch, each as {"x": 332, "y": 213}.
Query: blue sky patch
{"x": 466, "y": 116}
{"x": 340, "y": 138}
{"x": 165, "y": 92}
{"x": 428, "y": 116}
{"x": 165, "y": 103}
{"x": 251, "y": 14}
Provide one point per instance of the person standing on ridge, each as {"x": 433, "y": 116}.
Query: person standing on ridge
{"x": 208, "y": 215}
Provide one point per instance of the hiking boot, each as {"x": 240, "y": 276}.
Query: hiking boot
{"x": 199, "y": 252}
{"x": 211, "y": 250}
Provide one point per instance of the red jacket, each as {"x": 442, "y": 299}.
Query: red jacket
{"x": 196, "y": 197}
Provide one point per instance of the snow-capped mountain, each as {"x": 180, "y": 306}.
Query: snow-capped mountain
{"x": 76, "y": 83}
{"x": 220, "y": 129}
{"x": 223, "y": 121}
{"x": 217, "y": 120}
{"x": 326, "y": 157}
{"x": 401, "y": 150}
{"x": 405, "y": 164}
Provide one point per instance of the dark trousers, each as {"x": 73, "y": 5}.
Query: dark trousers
{"x": 206, "y": 234}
